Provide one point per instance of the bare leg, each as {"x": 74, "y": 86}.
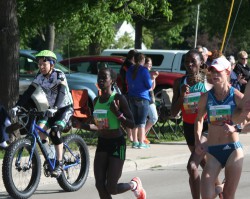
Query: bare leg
{"x": 43, "y": 136}
{"x": 59, "y": 151}
{"x": 233, "y": 171}
{"x": 129, "y": 134}
{"x": 113, "y": 175}
{"x": 134, "y": 134}
{"x": 209, "y": 175}
{"x": 194, "y": 177}
{"x": 148, "y": 126}
{"x": 100, "y": 171}
{"x": 141, "y": 134}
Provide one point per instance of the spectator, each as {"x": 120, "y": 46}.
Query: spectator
{"x": 129, "y": 61}
{"x": 242, "y": 69}
{"x": 205, "y": 76}
{"x": 139, "y": 83}
{"x": 223, "y": 147}
{"x": 152, "y": 112}
{"x": 234, "y": 78}
{"x": 205, "y": 54}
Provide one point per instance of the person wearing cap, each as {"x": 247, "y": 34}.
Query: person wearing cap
{"x": 54, "y": 84}
{"x": 242, "y": 69}
{"x": 223, "y": 149}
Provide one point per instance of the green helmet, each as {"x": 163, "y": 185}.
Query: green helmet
{"x": 47, "y": 54}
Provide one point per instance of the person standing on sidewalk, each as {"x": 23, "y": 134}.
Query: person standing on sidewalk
{"x": 129, "y": 61}
{"x": 223, "y": 147}
{"x": 139, "y": 83}
{"x": 187, "y": 92}
{"x": 152, "y": 111}
{"x": 110, "y": 111}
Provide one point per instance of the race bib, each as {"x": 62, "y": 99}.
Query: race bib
{"x": 101, "y": 118}
{"x": 190, "y": 103}
{"x": 220, "y": 114}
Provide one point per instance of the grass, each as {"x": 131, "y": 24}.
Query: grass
{"x": 164, "y": 132}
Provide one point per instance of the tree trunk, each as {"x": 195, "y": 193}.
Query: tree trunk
{"x": 138, "y": 35}
{"x": 9, "y": 53}
{"x": 94, "y": 48}
{"x": 45, "y": 38}
{"x": 50, "y": 37}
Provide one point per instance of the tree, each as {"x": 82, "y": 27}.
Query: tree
{"x": 41, "y": 20}
{"x": 9, "y": 51}
{"x": 212, "y": 25}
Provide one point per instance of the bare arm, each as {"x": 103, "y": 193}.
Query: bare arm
{"x": 198, "y": 125}
{"x": 89, "y": 127}
{"x": 178, "y": 97}
{"x": 242, "y": 110}
{"x": 241, "y": 113}
{"x": 121, "y": 109}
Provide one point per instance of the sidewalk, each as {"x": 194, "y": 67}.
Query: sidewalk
{"x": 159, "y": 155}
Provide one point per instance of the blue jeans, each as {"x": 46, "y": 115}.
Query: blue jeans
{"x": 139, "y": 108}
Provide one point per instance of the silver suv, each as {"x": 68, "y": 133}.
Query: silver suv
{"x": 28, "y": 69}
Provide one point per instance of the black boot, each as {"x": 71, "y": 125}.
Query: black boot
{"x": 58, "y": 169}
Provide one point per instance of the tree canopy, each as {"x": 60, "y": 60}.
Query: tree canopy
{"x": 87, "y": 27}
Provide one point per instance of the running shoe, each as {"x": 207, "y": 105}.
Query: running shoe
{"x": 146, "y": 141}
{"x": 143, "y": 146}
{"x": 139, "y": 192}
{"x": 135, "y": 145}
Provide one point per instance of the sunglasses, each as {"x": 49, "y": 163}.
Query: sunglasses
{"x": 243, "y": 58}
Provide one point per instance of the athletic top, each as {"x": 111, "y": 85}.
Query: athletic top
{"x": 220, "y": 112}
{"x": 103, "y": 116}
{"x": 190, "y": 105}
{"x": 139, "y": 87}
{"x": 50, "y": 87}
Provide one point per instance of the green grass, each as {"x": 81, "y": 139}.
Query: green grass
{"x": 163, "y": 131}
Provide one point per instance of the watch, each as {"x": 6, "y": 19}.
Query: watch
{"x": 238, "y": 128}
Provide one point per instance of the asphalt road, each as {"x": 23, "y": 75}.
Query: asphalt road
{"x": 160, "y": 183}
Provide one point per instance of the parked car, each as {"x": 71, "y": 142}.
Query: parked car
{"x": 91, "y": 64}
{"x": 163, "y": 60}
{"x": 76, "y": 80}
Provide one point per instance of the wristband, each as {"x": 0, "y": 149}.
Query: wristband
{"x": 238, "y": 128}
{"x": 120, "y": 116}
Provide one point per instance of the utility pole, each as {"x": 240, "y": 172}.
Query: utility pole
{"x": 197, "y": 25}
